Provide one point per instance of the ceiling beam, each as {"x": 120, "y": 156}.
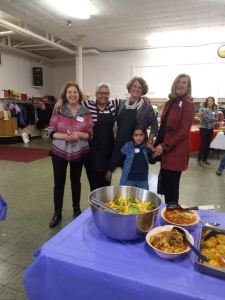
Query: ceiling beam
{"x": 37, "y": 37}
{"x": 26, "y": 53}
{"x": 6, "y": 33}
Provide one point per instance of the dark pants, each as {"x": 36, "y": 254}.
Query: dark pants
{"x": 96, "y": 178}
{"x": 59, "y": 169}
{"x": 168, "y": 185}
{"x": 206, "y": 137}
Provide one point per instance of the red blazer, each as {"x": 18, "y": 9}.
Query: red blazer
{"x": 176, "y": 143}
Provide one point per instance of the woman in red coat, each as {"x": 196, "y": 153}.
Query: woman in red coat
{"x": 172, "y": 143}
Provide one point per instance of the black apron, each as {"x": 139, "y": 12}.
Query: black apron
{"x": 102, "y": 143}
{"x": 126, "y": 122}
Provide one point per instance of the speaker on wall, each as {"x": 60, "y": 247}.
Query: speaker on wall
{"x": 37, "y": 76}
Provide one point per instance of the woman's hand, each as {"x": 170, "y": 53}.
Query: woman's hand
{"x": 150, "y": 145}
{"x": 108, "y": 176}
{"x": 158, "y": 150}
{"x": 146, "y": 99}
{"x": 72, "y": 136}
{"x": 57, "y": 106}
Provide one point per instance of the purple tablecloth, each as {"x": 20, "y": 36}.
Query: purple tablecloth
{"x": 81, "y": 263}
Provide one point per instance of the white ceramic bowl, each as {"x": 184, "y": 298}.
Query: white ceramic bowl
{"x": 164, "y": 254}
{"x": 186, "y": 226}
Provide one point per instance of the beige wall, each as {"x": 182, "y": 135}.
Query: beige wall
{"x": 157, "y": 66}
{"x": 16, "y": 73}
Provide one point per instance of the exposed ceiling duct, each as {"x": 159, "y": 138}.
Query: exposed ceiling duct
{"x": 37, "y": 37}
{"x": 6, "y": 33}
{"x": 26, "y": 53}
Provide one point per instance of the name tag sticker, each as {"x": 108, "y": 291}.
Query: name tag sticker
{"x": 80, "y": 119}
{"x": 136, "y": 150}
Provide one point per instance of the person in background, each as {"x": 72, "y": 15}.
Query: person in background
{"x": 221, "y": 166}
{"x": 70, "y": 129}
{"x": 173, "y": 142}
{"x": 103, "y": 112}
{"x": 131, "y": 112}
{"x": 208, "y": 118}
{"x": 86, "y": 96}
{"x": 137, "y": 157}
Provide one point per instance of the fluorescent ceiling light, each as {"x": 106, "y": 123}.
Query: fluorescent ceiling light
{"x": 81, "y": 9}
{"x": 187, "y": 37}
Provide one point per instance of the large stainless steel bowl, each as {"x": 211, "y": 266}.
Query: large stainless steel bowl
{"x": 123, "y": 226}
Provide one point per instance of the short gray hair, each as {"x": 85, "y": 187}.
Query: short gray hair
{"x": 102, "y": 85}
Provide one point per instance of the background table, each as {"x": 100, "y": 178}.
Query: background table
{"x": 218, "y": 142}
{"x": 196, "y": 140}
{"x": 81, "y": 263}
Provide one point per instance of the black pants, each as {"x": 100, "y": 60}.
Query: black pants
{"x": 59, "y": 169}
{"x": 206, "y": 137}
{"x": 96, "y": 178}
{"x": 168, "y": 185}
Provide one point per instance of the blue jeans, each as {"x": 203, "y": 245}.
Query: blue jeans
{"x": 222, "y": 164}
{"x": 140, "y": 184}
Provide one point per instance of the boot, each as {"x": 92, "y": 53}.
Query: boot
{"x": 76, "y": 211}
{"x": 56, "y": 220}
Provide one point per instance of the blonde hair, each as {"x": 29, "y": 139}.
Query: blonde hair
{"x": 173, "y": 94}
{"x": 65, "y": 88}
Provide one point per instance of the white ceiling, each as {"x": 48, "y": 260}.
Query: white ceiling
{"x": 119, "y": 24}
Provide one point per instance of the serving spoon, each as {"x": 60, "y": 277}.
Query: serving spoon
{"x": 173, "y": 205}
{"x": 185, "y": 239}
{"x": 103, "y": 206}
{"x": 215, "y": 224}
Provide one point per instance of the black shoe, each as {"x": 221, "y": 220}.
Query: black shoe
{"x": 206, "y": 162}
{"x": 76, "y": 212}
{"x": 56, "y": 219}
{"x": 219, "y": 172}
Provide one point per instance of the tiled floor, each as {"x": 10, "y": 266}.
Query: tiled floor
{"x": 27, "y": 188}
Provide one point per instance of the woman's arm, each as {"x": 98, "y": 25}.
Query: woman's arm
{"x": 57, "y": 106}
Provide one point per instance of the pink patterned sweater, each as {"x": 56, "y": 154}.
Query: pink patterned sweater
{"x": 63, "y": 121}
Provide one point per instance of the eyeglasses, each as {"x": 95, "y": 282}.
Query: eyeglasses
{"x": 103, "y": 93}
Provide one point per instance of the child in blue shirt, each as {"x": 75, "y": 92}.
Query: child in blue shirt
{"x": 137, "y": 156}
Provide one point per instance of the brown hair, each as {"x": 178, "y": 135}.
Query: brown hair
{"x": 65, "y": 88}
{"x": 142, "y": 82}
{"x": 206, "y": 102}
{"x": 173, "y": 94}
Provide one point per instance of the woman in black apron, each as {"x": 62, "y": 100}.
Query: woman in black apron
{"x": 101, "y": 146}
{"x": 131, "y": 112}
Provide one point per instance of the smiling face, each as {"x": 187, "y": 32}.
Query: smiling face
{"x": 102, "y": 95}
{"x": 210, "y": 103}
{"x": 72, "y": 95}
{"x": 182, "y": 86}
{"x": 138, "y": 136}
{"x": 136, "y": 90}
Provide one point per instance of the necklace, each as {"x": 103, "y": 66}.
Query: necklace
{"x": 135, "y": 105}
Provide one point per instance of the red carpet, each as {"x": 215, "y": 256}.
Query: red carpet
{"x": 21, "y": 154}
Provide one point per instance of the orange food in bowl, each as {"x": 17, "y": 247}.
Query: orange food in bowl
{"x": 180, "y": 217}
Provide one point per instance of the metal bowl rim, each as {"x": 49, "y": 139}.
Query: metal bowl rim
{"x": 138, "y": 214}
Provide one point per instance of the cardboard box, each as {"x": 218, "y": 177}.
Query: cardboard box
{"x": 8, "y": 127}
